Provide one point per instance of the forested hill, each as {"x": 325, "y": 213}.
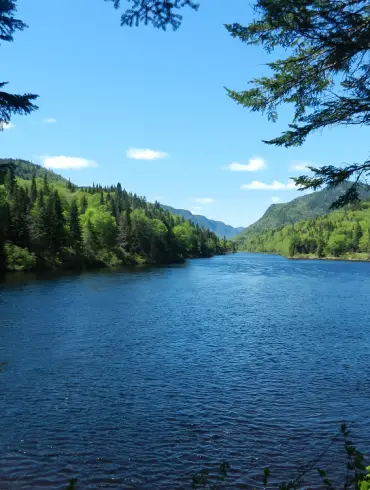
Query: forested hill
{"x": 218, "y": 227}
{"x": 301, "y": 208}
{"x": 26, "y": 170}
{"x": 344, "y": 233}
{"x": 48, "y": 222}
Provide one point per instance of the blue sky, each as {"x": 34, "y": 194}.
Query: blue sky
{"x": 148, "y": 109}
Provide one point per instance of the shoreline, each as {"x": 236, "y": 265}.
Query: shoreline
{"x": 342, "y": 258}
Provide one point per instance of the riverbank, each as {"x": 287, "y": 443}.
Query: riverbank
{"x": 354, "y": 257}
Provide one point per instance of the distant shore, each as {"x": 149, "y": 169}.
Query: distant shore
{"x": 356, "y": 257}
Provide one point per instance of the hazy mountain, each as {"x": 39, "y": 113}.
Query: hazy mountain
{"x": 304, "y": 207}
{"x": 217, "y": 227}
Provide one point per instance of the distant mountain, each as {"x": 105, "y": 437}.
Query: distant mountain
{"x": 304, "y": 207}
{"x": 217, "y": 227}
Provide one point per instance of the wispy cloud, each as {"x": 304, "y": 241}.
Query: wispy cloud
{"x": 300, "y": 165}
{"x": 7, "y": 125}
{"x": 274, "y": 186}
{"x": 145, "y": 154}
{"x": 255, "y": 164}
{"x": 50, "y": 120}
{"x": 275, "y": 199}
{"x": 62, "y": 162}
{"x": 204, "y": 200}
{"x": 197, "y": 208}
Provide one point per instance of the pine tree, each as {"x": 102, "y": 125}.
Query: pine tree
{"x": 39, "y": 236}
{"x": 57, "y": 222}
{"x": 90, "y": 241}
{"x": 357, "y": 234}
{"x": 75, "y": 233}
{"x": 10, "y": 181}
{"x": 19, "y": 206}
{"x": 124, "y": 236}
{"x": 33, "y": 190}
{"x": 45, "y": 186}
{"x": 324, "y": 74}
{"x": 83, "y": 205}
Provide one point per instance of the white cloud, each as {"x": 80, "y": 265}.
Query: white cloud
{"x": 275, "y": 199}
{"x": 63, "y": 162}
{"x": 275, "y": 186}
{"x": 254, "y": 165}
{"x": 204, "y": 200}
{"x": 197, "y": 208}
{"x": 7, "y": 125}
{"x": 300, "y": 165}
{"x": 145, "y": 154}
{"x": 50, "y": 120}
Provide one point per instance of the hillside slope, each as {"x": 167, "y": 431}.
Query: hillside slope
{"x": 218, "y": 227}
{"x": 46, "y": 222}
{"x": 344, "y": 233}
{"x": 26, "y": 170}
{"x": 302, "y": 208}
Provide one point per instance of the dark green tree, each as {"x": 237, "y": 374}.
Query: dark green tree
{"x": 45, "y": 185}
{"x": 357, "y": 234}
{"x": 19, "y": 222}
{"x": 91, "y": 241}
{"x": 11, "y": 104}
{"x": 33, "y": 190}
{"x": 10, "y": 181}
{"x": 325, "y": 76}
{"x": 124, "y": 236}
{"x": 57, "y": 222}
{"x": 75, "y": 233}
{"x": 159, "y": 13}
{"x": 83, "y": 205}
{"x": 102, "y": 202}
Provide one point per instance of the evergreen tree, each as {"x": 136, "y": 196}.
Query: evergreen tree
{"x": 45, "y": 186}
{"x": 90, "y": 241}
{"x": 10, "y": 181}
{"x": 83, "y": 205}
{"x": 39, "y": 237}
{"x": 19, "y": 206}
{"x": 357, "y": 234}
{"x": 124, "y": 236}
{"x": 75, "y": 233}
{"x": 57, "y": 222}
{"x": 325, "y": 75}
{"x": 33, "y": 190}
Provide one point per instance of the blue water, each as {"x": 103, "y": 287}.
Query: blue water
{"x": 139, "y": 379}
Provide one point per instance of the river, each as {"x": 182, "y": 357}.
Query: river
{"x": 138, "y": 379}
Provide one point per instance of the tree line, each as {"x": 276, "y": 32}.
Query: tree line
{"x": 343, "y": 233}
{"x": 48, "y": 224}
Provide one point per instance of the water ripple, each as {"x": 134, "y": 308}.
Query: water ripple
{"x": 137, "y": 380}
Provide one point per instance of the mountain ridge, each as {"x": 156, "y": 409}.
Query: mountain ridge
{"x": 25, "y": 170}
{"x": 218, "y": 227}
{"x": 304, "y": 207}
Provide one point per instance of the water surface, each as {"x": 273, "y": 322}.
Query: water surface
{"x": 136, "y": 380}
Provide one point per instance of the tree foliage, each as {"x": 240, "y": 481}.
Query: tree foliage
{"x": 11, "y": 104}
{"x": 159, "y": 13}
{"x": 342, "y": 233}
{"x": 47, "y": 222}
{"x": 325, "y": 77}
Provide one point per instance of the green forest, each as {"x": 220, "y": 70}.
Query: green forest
{"x": 344, "y": 233}
{"x": 47, "y": 222}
